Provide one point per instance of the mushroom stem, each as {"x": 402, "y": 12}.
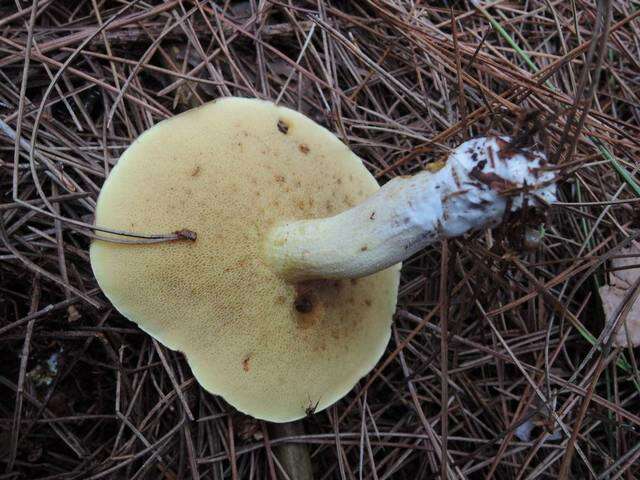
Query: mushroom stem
{"x": 483, "y": 179}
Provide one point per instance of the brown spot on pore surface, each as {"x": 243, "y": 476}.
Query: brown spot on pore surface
{"x": 246, "y": 363}
{"x": 303, "y": 303}
{"x": 196, "y": 171}
{"x": 281, "y": 299}
{"x": 364, "y": 248}
{"x": 279, "y": 178}
{"x": 309, "y": 311}
{"x": 243, "y": 262}
{"x": 367, "y": 302}
{"x": 303, "y": 148}
{"x": 283, "y": 126}
{"x": 309, "y": 301}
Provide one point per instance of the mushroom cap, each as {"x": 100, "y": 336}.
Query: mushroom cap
{"x": 229, "y": 171}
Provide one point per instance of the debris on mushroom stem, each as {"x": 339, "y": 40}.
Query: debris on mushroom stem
{"x": 485, "y": 178}
{"x": 482, "y": 180}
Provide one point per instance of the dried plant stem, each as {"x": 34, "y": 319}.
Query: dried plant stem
{"x": 294, "y": 457}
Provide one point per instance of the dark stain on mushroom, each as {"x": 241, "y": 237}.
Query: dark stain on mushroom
{"x": 196, "y": 171}
{"x": 279, "y": 178}
{"x": 303, "y": 148}
{"x": 320, "y": 348}
{"x": 367, "y": 302}
{"x": 243, "y": 262}
{"x": 246, "y": 363}
{"x": 303, "y": 303}
{"x": 283, "y": 126}
{"x": 372, "y": 216}
{"x": 456, "y": 178}
{"x": 308, "y": 311}
{"x": 364, "y": 248}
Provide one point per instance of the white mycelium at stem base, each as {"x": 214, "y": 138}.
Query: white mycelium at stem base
{"x": 479, "y": 182}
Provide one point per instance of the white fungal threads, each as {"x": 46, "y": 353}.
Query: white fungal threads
{"x": 482, "y": 179}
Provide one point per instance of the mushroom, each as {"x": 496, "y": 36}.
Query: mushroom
{"x": 283, "y": 298}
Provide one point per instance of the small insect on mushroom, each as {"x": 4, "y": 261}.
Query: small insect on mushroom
{"x": 311, "y": 408}
{"x": 232, "y": 284}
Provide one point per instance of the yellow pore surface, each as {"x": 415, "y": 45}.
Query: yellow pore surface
{"x": 229, "y": 171}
